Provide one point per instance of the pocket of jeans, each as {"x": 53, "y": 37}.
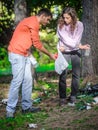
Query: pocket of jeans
{"x": 13, "y": 58}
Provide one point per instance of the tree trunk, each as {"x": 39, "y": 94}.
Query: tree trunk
{"x": 20, "y": 10}
{"x": 90, "y": 36}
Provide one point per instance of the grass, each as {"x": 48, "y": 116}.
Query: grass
{"x": 22, "y": 121}
{"x": 54, "y": 117}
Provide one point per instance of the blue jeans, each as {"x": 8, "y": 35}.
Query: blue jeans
{"x": 22, "y": 77}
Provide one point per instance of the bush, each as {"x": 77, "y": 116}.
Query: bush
{"x": 4, "y": 63}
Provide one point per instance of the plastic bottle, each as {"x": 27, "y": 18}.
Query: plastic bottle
{"x": 87, "y": 52}
{"x": 82, "y": 107}
{"x": 88, "y": 85}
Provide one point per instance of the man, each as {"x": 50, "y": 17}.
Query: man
{"x": 25, "y": 35}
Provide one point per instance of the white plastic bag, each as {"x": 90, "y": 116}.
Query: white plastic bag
{"x": 60, "y": 63}
{"x": 33, "y": 61}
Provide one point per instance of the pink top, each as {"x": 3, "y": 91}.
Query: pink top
{"x": 70, "y": 40}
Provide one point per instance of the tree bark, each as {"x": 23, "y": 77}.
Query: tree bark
{"x": 20, "y": 10}
{"x": 90, "y": 36}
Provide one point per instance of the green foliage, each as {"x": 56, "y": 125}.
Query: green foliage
{"x": 83, "y": 101}
{"x": 48, "y": 35}
{"x": 49, "y": 40}
{"x": 22, "y": 121}
{"x": 4, "y": 63}
{"x": 45, "y": 67}
{"x": 6, "y": 21}
{"x": 68, "y": 90}
{"x": 7, "y": 14}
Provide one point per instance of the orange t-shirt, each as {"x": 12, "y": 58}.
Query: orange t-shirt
{"x": 25, "y": 35}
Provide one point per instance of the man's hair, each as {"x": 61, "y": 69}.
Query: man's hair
{"x": 44, "y": 11}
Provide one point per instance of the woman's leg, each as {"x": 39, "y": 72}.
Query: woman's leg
{"x": 75, "y": 74}
{"x": 62, "y": 84}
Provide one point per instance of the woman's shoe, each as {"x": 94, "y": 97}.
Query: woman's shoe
{"x": 62, "y": 102}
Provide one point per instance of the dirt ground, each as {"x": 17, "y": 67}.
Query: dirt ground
{"x": 60, "y": 118}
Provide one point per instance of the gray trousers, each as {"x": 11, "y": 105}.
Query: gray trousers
{"x": 74, "y": 58}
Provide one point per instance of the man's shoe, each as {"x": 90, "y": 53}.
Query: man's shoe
{"x": 9, "y": 115}
{"x": 63, "y": 102}
{"x": 33, "y": 110}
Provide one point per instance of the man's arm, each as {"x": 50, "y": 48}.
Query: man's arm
{"x": 45, "y": 51}
{"x": 37, "y": 44}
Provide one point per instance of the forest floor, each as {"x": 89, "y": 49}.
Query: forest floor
{"x": 53, "y": 117}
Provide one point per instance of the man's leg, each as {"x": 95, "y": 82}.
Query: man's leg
{"x": 27, "y": 86}
{"x": 27, "y": 90}
{"x": 18, "y": 65}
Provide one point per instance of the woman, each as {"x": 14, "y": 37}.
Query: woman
{"x": 69, "y": 32}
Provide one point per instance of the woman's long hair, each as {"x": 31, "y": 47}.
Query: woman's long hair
{"x": 70, "y": 11}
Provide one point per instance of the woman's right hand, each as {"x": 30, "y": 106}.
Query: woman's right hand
{"x": 62, "y": 48}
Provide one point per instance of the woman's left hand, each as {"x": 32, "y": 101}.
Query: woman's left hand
{"x": 85, "y": 47}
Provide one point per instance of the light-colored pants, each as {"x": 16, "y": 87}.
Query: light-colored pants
{"x": 22, "y": 77}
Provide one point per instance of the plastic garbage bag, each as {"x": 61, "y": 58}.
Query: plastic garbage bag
{"x": 60, "y": 63}
{"x": 4, "y": 101}
{"x": 96, "y": 100}
{"x": 33, "y": 61}
{"x": 95, "y": 87}
{"x": 33, "y": 125}
{"x": 90, "y": 89}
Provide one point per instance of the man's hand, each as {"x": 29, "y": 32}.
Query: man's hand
{"x": 56, "y": 55}
{"x": 45, "y": 51}
{"x": 52, "y": 56}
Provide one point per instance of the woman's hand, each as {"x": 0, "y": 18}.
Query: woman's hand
{"x": 62, "y": 48}
{"x": 85, "y": 47}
